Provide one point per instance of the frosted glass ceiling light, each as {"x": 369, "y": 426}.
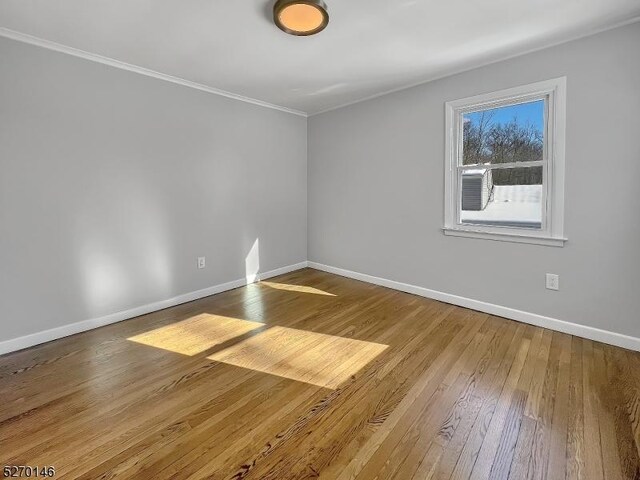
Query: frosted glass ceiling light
{"x": 301, "y": 17}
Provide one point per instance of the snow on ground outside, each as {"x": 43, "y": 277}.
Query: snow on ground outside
{"x": 511, "y": 205}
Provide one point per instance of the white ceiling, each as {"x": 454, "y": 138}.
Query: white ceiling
{"x": 369, "y": 47}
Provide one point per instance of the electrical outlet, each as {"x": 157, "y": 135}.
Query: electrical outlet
{"x": 202, "y": 262}
{"x": 553, "y": 281}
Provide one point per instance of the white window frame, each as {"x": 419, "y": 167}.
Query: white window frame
{"x": 551, "y": 233}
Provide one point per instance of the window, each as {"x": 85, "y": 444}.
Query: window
{"x": 504, "y": 172}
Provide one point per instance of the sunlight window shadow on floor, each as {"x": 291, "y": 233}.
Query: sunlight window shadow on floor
{"x": 196, "y": 334}
{"x": 315, "y": 358}
{"x": 252, "y": 262}
{"x": 296, "y": 288}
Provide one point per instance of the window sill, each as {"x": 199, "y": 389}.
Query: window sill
{"x": 506, "y": 237}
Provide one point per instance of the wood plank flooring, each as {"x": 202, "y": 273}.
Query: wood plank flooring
{"x": 314, "y": 375}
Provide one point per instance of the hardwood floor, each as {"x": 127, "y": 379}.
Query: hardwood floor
{"x": 314, "y": 375}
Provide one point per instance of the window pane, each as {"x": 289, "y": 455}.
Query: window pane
{"x": 505, "y": 134}
{"x": 507, "y": 197}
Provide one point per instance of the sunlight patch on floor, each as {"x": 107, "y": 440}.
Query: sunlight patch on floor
{"x": 315, "y": 358}
{"x": 296, "y": 288}
{"x": 196, "y": 334}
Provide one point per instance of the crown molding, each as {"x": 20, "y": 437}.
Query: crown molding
{"x": 40, "y": 42}
{"x": 588, "y": 33}
{"x": 57, "y": 47}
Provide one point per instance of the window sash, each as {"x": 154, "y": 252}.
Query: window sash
{"x": 496, "y": 166}
{"x": 543, "y": 204}
{"x": 507, "y": 101}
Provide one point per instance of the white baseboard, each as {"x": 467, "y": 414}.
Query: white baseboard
{"x": 604, "y": 336}
{"x": 64, "y": 331}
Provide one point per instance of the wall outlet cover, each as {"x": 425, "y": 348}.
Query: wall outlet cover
{"x": 552, "y": 281}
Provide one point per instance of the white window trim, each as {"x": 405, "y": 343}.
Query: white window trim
{"x": 552, "y": 232}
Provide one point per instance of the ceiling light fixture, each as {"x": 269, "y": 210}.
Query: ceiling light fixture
{"x": 301, "y": 17}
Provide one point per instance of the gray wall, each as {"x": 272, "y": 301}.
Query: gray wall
{"x": 376, "y": 186}
{"x": 112, "y": 183}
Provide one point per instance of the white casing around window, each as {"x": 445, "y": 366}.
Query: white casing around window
{"x": 552, "y": 231}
